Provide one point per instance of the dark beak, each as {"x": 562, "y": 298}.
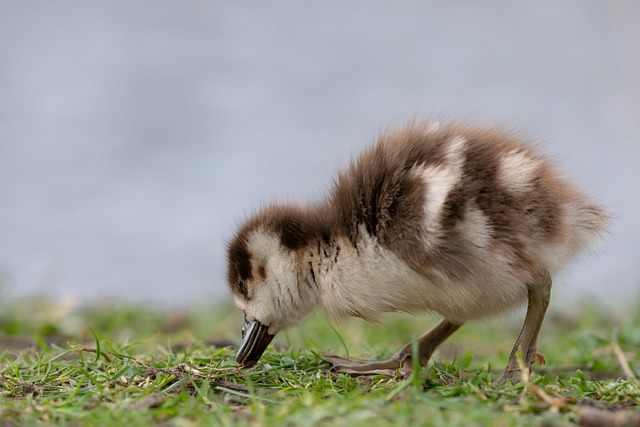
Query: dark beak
{"x": 255, "y": 339}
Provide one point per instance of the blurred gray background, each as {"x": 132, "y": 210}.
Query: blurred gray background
{"x": 135, "y": 136}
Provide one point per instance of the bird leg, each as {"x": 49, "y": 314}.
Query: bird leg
{"x": 402, "y": 360}
{"x": 539, "y": 292}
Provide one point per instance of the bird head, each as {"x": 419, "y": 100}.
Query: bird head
{"x": 267, "y": 276}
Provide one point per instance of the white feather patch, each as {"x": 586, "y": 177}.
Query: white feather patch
{"x": 439, "y": 181}
{"x": 517, "y": 171}
{"x": 475, "y": 227}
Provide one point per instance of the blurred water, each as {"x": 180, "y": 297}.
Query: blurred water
{"x": 134, "y": 136}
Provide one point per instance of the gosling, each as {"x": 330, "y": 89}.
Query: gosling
{"x": 462, "y": 221}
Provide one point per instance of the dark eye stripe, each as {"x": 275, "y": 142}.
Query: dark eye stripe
{"x": 239, "y": 260}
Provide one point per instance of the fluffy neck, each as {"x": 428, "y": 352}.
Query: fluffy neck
{"x": 301, "y": 230}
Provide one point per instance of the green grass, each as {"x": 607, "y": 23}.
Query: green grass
{"x": 127, "y": 365}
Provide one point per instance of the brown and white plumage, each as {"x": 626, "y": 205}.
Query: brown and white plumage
{"x": 463, "y": 221}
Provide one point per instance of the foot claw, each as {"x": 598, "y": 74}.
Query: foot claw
{"x": 538, "y": 359}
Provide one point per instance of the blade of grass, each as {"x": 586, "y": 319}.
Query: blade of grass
{"x": 255, "y": 397}
{"x": 42, "y": 344}
{"x": 416, "y": 368}
{"x": 342, "y": 341}
{"x": 95, "y": 337}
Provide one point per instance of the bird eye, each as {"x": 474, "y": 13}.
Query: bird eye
{"x": 242, "y": 288}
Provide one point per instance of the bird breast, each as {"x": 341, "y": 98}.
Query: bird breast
{"x": 368, "y": 280}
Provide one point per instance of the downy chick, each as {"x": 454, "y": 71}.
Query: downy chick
{"x": 462, "y": 221}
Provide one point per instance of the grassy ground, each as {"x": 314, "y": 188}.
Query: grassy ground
{"x": 115, "y": 365}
